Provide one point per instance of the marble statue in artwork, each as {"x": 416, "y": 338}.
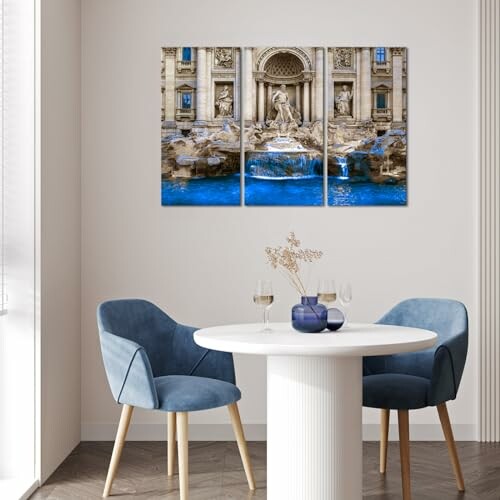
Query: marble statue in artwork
{"x": 283, "y": 115}
{"x": 343, "y": 101}
{"x": 225, "y": 103}
{"x": 282, "y": 105}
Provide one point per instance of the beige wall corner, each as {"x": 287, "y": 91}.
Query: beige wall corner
{"x": 60, "y": 241}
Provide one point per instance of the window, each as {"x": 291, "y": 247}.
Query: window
{"x": 3, "y": 293}
{"x": 186, "y": 54}
{"x": 380, "y": 56}
{"x": 381, "y": 101}
{"x": 186, "y": 100}
{"x": 19, "y": 208}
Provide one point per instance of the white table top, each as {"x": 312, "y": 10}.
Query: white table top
{"x": 354, "y": 339}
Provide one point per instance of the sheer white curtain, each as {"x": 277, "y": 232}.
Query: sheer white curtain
{"x": 3, "y": 290}
{"x": 17, "y": 252}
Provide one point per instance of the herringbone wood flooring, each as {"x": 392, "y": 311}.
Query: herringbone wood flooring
{"x": 216, "y": 472}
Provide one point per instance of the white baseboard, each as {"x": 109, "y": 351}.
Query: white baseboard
{"x": 257, "y": 432}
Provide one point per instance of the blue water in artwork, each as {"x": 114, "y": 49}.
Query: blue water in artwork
{"x": 306, "y": 191}
{"x": 342, "y": 193}
{"x": 203, "y": 191}
{"x": 299, "y": 191}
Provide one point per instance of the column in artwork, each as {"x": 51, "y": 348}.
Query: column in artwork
{"x": 269, "y": 98}
{"x": 261, "y": 102}
{"x": 397, "y": 85}
{"x": 365, "y": 85}
{"x": 201, "y": 86}
{"x": 307, "y": 117}
{"x": 318, "y": 94}
{"x": 248, "y": 75}
{"x": 169, "y": 96}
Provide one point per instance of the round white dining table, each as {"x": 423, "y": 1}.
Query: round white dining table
{"x": 314, "y": 400}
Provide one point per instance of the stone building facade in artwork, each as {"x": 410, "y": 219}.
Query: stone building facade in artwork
{"x": 367, "y": 113}
{"x": 277, "y": 94}
{"x": 300, "y": 69}
{"x": 367, "y": 84}
{"x": 200, "y": 111}
{"x": 200, "y": 88}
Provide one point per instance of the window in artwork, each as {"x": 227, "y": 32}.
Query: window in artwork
{"x": 186, "y": 53}
{"x": 186, "y": 100}
{"x": 381, "y": 101}
{"x": 380, "y": 55}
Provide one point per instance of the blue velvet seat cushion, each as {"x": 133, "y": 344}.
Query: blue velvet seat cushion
{"x": 190, "y": 393}
{"x": 395, "y": 391}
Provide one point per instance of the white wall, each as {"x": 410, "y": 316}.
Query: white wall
{"x": 60, "y": 231}
{"x": 200, "y": 264}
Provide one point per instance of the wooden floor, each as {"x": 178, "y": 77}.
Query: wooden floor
{"x": 216, "y": 472}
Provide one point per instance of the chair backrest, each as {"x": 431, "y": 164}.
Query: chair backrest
{"x": 447, "y": 318}
{"x": 142, "y": 322}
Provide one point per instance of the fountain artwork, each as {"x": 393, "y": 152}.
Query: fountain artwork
{"x": 266, "y": 106}
{"x": 283, "y": 147}
{"x": 284, "y": 159}
{"x": 343, "y": 168}
{"x": 366, "y": 139}
{"x": 200, "y": 126}
{"x": 282, "y": 171}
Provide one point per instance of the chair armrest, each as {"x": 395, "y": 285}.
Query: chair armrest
{"x": 449, "y": 362}
{"x": 128, "y": 370}
{"x": 199, "y": 361}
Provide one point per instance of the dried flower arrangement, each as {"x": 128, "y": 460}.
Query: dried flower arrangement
{"x": 287, "y": 260}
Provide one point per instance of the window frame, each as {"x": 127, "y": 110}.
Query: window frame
{"x": 380, "y": 55}
{"x": 189, "y": 52}
{"x": 381, "y": 95}
{"x": 189, "y": 95}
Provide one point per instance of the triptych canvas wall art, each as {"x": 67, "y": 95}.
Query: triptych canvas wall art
{"x": 303, "y": 126}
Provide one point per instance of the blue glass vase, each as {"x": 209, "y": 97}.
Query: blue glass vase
{"x": 309, "y": 316}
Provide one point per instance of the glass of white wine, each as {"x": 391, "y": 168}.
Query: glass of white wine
{"x": 327, "y": 292}
{"x": 263, "y": 297}
{"x": 345, "y": 297}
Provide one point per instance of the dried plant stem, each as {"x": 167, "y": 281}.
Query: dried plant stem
{"x": 288, "y": 276}
{"x": 287, "y": 260}
{"x": 302, "y": 285}
{"x": 295, "y": 281}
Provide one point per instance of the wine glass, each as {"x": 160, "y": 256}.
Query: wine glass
{"x": 264, "y": 298}
{"x": 345, "y": 297}
{"x": 327, "y": 292}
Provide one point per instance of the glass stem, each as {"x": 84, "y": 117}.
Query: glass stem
{"x": 266, "y": 318}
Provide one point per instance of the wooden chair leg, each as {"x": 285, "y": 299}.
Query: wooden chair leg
{"x": 171, "y": 443}
{"x": 384, "y": 437}
{"x": 450, "y": 441}
{"x": 404, "y": 449}
{"x": 182, "y": 445}
{"x": 118, "y": 447}
{"x": 242, "y": 444}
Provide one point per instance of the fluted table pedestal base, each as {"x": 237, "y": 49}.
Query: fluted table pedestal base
{"x": 314, "y": 433}
{"x": 314, "y": 398}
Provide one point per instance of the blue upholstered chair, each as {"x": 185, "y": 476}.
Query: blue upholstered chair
{"x": 415, "y": 380}
{"x": 152, "y": 362}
